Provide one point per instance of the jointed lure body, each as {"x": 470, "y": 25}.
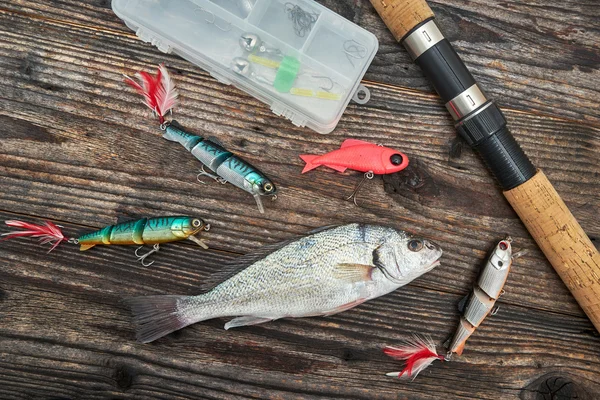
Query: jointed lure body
{"x": 160, "y": 95}
{"x": 228, "y": 167}
{"x": 150, "y": 231}
{"x": 481, "y": 302}
{"x": 145, "y": 231}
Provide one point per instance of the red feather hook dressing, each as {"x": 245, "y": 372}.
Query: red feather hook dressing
{"x": 160, "y": 94}
{"x": 47, "y": 233}
{"x": 418, "y": 352}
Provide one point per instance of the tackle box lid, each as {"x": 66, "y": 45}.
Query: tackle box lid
{"x": 299, "y": 57}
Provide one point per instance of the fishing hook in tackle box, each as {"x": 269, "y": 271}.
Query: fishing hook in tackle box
{"x": 145, "y": 231}
{"x": 287, "y": 69}
{"x": 302, "y": 20}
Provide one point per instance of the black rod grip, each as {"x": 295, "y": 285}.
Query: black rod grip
{"x": 478, "y": 120}
{"x": 487, "y": 132}
{"x": 446, "y": 71}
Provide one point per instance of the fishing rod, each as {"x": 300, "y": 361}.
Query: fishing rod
{"x": 481, "y": 123}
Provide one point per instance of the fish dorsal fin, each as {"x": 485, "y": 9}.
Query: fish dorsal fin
{"x": 353, "y": 273}
{"x": 237, "y": 265}
{"x": 322, "y": 229}
{"x": 354, "y": 142}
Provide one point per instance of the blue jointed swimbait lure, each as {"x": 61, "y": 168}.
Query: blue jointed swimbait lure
{"x": 228, "y": 167}
{"x": 160, "y": 96}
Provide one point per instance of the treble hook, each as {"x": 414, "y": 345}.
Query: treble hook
{"x": 143, "y": 257}
{"x": 217, "y": 178}
{"x": 368, "y": 176}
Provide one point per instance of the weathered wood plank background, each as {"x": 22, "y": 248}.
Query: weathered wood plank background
{"x": 76, "y": 147}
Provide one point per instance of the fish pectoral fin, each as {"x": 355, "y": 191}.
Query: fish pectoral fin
{"x": 85, "y": 247}
{"x": 246, "y": 321}
{"x": 353, "y": 273}
{"x": 337, "y": 168}
{"x": 354, "y": 142}
{"x": 344, "y": 307}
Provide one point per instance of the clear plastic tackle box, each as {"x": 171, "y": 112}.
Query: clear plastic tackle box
{"x": 299, "y": 57}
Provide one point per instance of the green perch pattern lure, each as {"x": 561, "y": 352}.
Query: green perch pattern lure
{"x": 145, "y": 231}
{"x": 160, "y": 95}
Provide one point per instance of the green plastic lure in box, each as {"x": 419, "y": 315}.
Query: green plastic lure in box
{"x": 145, "y": 231}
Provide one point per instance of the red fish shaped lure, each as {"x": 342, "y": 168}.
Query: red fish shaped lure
{"x": 360, "y": 156}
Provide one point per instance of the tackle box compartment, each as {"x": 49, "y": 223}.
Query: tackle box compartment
{"x": 302, "y": 59}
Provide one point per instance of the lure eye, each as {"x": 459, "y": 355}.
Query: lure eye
{"x": 415, "y": 245}
{"x": 503, "y": 246}
{"x": 396, "y": 159}
{"x": 268, "y": 187}
{"x": 197, "y": 223}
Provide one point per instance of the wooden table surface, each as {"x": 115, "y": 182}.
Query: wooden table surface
{"x": 78, "y": 148}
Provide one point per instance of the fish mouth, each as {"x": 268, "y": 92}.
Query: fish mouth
{"x": 434, "y": 264}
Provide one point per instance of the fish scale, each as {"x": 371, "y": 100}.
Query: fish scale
{"x": 321, "y": 274}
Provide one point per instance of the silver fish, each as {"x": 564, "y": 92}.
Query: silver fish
{"x": 324, "y": 273}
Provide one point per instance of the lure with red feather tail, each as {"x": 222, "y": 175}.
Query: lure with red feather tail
{"x": 151, "y": 231}
{"x": 160, "y": 96}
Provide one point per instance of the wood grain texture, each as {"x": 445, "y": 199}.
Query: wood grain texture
{"x": 77, "y": 147}
{"x": 91, "y": 354}
{"x": 528, "y": 55}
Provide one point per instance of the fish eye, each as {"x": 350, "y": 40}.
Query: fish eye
{"x": 197, "y": 223}
{"x": 415, "y": 245}
{"x": 268, "y": 187}
{"x": 397, "y": 159}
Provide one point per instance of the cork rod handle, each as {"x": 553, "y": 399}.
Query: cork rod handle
{"x": 563, "y": 241}
{"x": 401, "y": 16}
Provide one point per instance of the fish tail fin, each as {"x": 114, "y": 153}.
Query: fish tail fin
{"x": 158, "y": 316}
{"x": 308, "y": 159}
